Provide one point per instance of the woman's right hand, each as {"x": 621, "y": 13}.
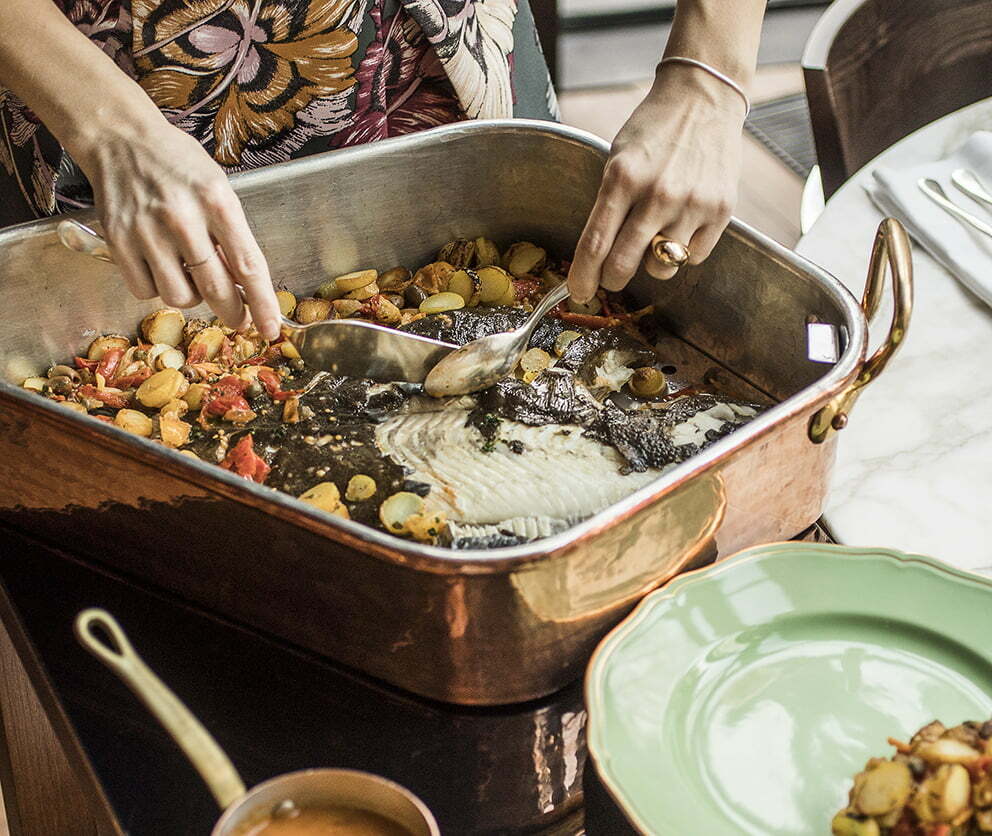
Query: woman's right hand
{"x": 164, "y": 204}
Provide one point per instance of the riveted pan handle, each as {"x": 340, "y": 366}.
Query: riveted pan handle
{"x": 891, "y": 249}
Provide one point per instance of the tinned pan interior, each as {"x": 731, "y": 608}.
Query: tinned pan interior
{"x": 395, "y": 202}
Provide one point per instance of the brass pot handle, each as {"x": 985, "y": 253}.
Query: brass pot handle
{"x": 891, "y": 248}
{"x": 209, "y": 759}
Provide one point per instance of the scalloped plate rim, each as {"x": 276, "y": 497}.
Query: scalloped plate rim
{"x": 601, "y": 655}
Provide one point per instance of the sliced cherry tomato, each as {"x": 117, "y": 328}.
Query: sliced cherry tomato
{"x": 132, "y": 380}
{"x": 243, "y": 460}
{"x": 197, "y": 354}
{"x": 227, "y": 352}
{"x": 109, "y": 362}
{"x": 111, "y": 397}
{"x": 525, "y": 288}
{"x": 227, "y": 393}
{"x": 273, "y": 385}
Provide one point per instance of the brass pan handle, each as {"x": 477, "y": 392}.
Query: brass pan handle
{"x": 200, "y": 747}
{"x": 891, "y": 248}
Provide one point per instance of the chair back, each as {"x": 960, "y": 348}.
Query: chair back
{"x": 877, "y": 70}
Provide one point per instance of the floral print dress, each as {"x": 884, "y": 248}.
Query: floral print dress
{"x": 262, "y": 81}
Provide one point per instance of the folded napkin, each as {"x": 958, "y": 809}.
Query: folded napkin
{"x": 964, "y": 251}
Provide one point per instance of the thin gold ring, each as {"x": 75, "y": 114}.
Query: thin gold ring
{"x": 187, "y": 266}
{"x": 669, "y": 252}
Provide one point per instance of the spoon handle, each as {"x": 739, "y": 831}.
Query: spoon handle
{"x": 199, "y": 746}
{"x": 555, "y": 297}
{"x": 933, "y": 190}
{"x": 81, "y": 239}
{"x": 970, "y": 185}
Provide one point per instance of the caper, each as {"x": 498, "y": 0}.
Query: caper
{"x": 64, "y": 371}
{"x": 189, "y": 373}
{"x": 254, "y": 389}
{"x": 414, "y": 295}
{"x": 297, "y": 364}
{"x": 60, "y": 385}
{"x": 985, "y": 732}
{"x": 140, "y": 354}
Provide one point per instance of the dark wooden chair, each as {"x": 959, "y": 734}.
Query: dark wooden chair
{"x": 877, "y": 70}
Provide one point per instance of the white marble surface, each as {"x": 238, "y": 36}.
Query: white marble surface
{"x": 914, "y": 465}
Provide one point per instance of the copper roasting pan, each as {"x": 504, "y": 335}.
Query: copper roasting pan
{"x": 471, "y": 627}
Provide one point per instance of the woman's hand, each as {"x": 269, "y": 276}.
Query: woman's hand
{"x": 673, "y": 169}
{"x": 164, "y": 203}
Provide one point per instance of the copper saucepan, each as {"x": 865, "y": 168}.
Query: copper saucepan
{"x": 282, "y": 796}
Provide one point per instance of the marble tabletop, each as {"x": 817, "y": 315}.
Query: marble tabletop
{"x": 914, "y": 465}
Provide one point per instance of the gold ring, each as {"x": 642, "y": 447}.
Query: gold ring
{"x": 668, "y": 252}
{"x": 187, "y": 266}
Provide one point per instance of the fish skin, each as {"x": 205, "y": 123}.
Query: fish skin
{"x": 507, "y": 533}
{"x": 467, "y": 324}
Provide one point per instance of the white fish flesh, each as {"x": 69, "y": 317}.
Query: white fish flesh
{"x": 529, "y": 479}
{"x": 556, "y": 472}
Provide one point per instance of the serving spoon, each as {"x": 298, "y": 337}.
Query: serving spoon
{"x": 481, "y": 363}
{"x": 349, "y": 347}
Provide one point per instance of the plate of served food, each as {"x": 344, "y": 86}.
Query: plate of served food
{"x": 801, "y": 688}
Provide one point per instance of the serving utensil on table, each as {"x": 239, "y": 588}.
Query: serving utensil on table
{"x": 933, "y": 190}
{"x": 349, "y": 347}
{"x": 277, "y": 797}
{"x": 481, "y": 363}
{"x": 969, "y": 183}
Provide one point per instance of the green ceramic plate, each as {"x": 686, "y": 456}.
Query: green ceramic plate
{"x": 744, "y": 697}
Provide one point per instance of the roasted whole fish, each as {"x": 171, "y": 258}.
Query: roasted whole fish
{"x": 588, "y": 419}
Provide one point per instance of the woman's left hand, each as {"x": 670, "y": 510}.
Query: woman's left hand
{"x": 673, "y": 169}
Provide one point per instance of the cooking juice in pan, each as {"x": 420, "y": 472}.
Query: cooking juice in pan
{"x": 325, "y": 821}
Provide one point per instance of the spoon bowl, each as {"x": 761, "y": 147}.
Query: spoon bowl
{"x": 482, "y": 363}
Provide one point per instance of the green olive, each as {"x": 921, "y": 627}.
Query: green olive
{"x": 297, "y": 364}
{"x": 254, "y": 389}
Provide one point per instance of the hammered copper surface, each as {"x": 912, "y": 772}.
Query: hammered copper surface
{"x": 470, "y": 627}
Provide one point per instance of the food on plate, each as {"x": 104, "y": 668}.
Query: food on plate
{"x": 937, "y": 784}
{"x": 587, "y": 418}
